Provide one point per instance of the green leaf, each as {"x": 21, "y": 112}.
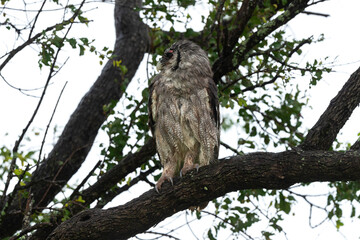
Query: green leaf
{"x": 72, "y": 42}
{"x": 57, "y": 41}
{"x": 18, "y": 172}
{"x": 82, "y": 50}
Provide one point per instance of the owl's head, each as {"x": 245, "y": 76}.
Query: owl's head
{"x": 184, "y": 55}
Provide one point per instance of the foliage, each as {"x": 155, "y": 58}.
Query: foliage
{"x": 260, "y": 94}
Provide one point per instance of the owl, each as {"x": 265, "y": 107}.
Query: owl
{"x": 184, "y": 111}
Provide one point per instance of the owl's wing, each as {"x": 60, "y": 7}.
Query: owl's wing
{"x": 214, "y": 113}
{"x": 214, "y": 102}
{"x": 152, "y": 102}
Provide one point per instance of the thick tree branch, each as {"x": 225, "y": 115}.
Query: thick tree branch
{"x": 253, "y": 171}
{"x": 225, "y": 63}
{"x": 127, "y": 165}
{"x": 101, "y": 189}
{"x": 324, "y": 132}
{"x": 79, "y": 133}
{"x": 241, "y": 19}
{"x": 356, "y": 146}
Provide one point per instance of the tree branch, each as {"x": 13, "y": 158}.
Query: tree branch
{"x": 225, "y": 64}
{"x": 17, "y": 143}
{"x": 242, "y": 17}
{"x": 324, "y": 132}
{"x": 356, "y": 146}
{"x": 103, "y": 185}
{"x": 129, "y": 164}
{"x": 77, "y": 138}
{"x": 253, "y": 171}
{"x": 118, "y": 190}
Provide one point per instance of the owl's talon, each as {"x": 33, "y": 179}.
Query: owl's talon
{"x": 171, "y": 181}
{"x": 161, "y": 181}
{"x": 197, "y": 166}
{"x": 187, "y": 168}
{"x": 156, "y": 189}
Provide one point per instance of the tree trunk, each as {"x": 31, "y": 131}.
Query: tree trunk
{"x": 132, "y": 41}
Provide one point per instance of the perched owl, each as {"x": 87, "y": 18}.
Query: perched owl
{"x": 184, "y": 111}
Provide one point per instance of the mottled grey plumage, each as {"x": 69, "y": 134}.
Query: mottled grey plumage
{"x": 184, "y": 110}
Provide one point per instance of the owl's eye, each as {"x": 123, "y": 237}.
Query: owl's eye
{"x": 169, "y": 53}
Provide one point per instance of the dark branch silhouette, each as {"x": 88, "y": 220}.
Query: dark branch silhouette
{"x": 252, "y": 171}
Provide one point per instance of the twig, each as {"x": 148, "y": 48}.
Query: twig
{"x": 115, "y": 192}
{"x": 163, "y": 234}
{"x": 284, "y": 63}
{"x": 227, "y": 222}
{"x": 8, "y": 199}
{"x": 229, "y": 84}
{"x": 231, "y": 148}
{"x": 316, "y": 14}
{"x": 53, "y": 182}
{"x": 30, "y": 229}
{"x": 17, "y": 143}
{"x": 261, "y": 84}
{"x": 76, "y": 191}
{"x": 36, "y": 18}
{"x": 22, "y": 90}
{"x": 48, "y": 125}
{"x": 12, "y": 53}
{"x": 133, "y": 119}
{"x": 305, "y": 198}
{"x": 188, "y": 224}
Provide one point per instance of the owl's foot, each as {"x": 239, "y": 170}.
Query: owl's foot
{"x": 167, "y": 175}
{"x": 189, "y": 163}
{"x": 189, "y": 167}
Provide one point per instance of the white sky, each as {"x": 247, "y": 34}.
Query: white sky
{"x": 341, "y": 42}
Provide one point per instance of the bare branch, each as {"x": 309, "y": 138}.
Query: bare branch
{"x": 316, "y": 14}
{"x": 36, "y": 18}
{"x": 17, "y": 143}
{"x": 12, "y": 53}
{"x": 48, "y": 125}
{"x": 30, "y": 229}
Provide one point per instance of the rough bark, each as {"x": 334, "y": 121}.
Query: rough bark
{"x": 253, "y": 171}
{"x": 99, "y": 189}
{"x": 79, "y": 133}
{"x": 324, "y": 132}
{"x": 356, "y": 146}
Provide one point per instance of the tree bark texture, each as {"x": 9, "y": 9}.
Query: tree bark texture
{"x": 253, "y": 171}
{"x": 70, "y": 151}
{"x": 324, "y": 132}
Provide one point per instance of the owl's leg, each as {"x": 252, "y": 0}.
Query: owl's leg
{"x": 189, "y": 163}
{"x": 167, "y": 174}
